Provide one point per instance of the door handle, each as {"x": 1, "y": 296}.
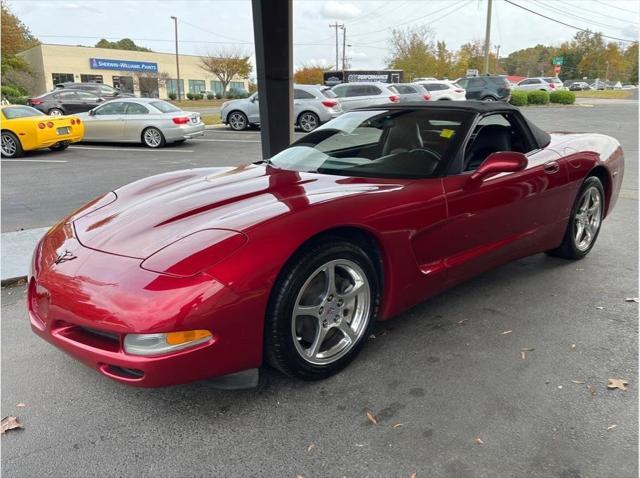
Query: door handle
{"x": 551, "y": 167}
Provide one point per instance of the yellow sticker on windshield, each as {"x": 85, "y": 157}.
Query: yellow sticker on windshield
{"x": 447, "y": 133}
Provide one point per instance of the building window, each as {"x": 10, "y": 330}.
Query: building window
{"x": 62, "y": 78}
{"x": 172, "y": 87}
{"x": 216, "y": 87}
{"x": 197, "y": 86}
{"x": 91, "y": 78}
{"x": 236, "y": 85}
{"x": 123, "y": 83}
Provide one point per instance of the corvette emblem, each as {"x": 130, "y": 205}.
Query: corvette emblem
{"x": 65, "y": 257}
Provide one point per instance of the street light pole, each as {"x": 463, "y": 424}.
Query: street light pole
{"x": 487, "y": 38}
{"x": 175, "y": 21}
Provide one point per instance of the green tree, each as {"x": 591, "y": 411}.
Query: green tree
{"x": 444, "y": 61}
{"x": 631, "y": 63}
{"x": 309, "y": 75}
{"x": 124, "y": 44}
{"x": 14, "y": 38}
{"x": 226, "y": 65}
{"x": 412, "y": 51}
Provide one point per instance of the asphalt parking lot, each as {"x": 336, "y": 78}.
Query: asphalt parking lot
{"x": 453, "y": 393}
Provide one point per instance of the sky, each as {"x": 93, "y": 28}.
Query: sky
{"x": 206, "y": 26}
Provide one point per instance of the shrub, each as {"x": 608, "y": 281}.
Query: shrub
{"x": 190, "y": 96}
{"x": 538, "y": 97}
{"x": 17, "y": 100}
{"x": 198, "y": 96}
{"x": 210, "y": 96}
{"x": 518, "y": 98}
{"x": 563, "y": 97}
{"x": 12, "y": 91}
{"x": 172, "y": 96}
{"x": 218, "y": 96}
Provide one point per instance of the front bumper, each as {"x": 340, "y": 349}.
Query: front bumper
{"x": 84, "y": 302}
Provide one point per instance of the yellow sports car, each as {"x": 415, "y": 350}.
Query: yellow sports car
{"x": 25, "y": 128}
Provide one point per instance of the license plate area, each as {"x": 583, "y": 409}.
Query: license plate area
{"x": 64, "y": 130}
{"x": 195, "y": 119}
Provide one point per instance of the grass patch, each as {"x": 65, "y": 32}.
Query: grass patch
{"x": 608, "y": 94}
{"x": 186, "y": 104}
{"x": 210, "y": 119}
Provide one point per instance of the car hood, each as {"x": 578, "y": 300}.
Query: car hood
{"x": 236, "y": 102}
{"x": 154, "y": 212}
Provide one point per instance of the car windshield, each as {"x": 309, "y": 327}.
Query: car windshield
{"x": 14, "y": 112}
{"x": 379, "y": 143}
{"x": 165, "y": 107}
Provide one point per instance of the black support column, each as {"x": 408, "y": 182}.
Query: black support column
{"x": 273, "y": 32}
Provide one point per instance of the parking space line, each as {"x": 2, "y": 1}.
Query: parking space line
{"x": 135, "y": 150}
{"x": 227, "y": 140}
{"x": 33, "y": 161}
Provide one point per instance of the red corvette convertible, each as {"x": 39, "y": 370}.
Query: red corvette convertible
{"x": 206, "y": 272}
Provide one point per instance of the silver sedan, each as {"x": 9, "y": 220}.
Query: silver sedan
{"x": 149, "y": 121}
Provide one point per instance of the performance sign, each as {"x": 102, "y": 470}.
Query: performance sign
{"x": 123, "y": 65}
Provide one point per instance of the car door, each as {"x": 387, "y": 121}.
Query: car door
{"x": 107, "y": 122}
{"x": 302, "y": 102}
{"x": 252, "y": 109}
{"x": 506, "y": 216}
{"x": 342, "y": 92}
{"x": 475, "y": 88}
{"x": 86, "y": 101}
{"x": 68, "y": 101}
{"x": 137, "y": 118}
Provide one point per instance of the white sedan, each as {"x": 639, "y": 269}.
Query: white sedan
{"x": 149, "y": 121}
{"x": 444, "y": 90}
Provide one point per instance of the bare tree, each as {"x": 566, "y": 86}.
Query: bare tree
{"x": 226, "y": 64}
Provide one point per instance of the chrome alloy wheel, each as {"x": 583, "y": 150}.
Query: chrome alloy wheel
{"x": 9, "y": 146}
{"x": 55, "y": 112}
{"x": 587, "y": 219}
{"x": 308, "y": 122}
{"x": 237, "y": 121}
{"x": 331, "y": 312}
{"x": 152, "y": 137}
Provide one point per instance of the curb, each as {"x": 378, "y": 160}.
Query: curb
{"x": 215, "y": 126}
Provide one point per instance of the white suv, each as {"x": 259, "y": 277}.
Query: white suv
{"x": 543, "y": 83}
{"x": 357, "y": 95}
{"x": 444, "y": 90}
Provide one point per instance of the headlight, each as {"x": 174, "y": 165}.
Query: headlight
{"x": 194, "y": 253}
{"x": 156, "y": 344}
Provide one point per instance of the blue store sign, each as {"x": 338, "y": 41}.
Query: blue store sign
{"x": 123, "y": 65}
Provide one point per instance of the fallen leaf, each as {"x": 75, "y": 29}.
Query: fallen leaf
{"x": 461, "y": 322}
{"x": 311, "y": 447}
{"x": 579, "y": 269}
{"x": 372, "y": 336}
{"x": 527, "y": 349}
{"x": 9, "y": 423}
{"x": 21, "y": 405}
{"x": 523, "y": 354}
{"x": 506, "y": 332}
{"x": 620, "y": 383}
{"x": 372, "y": 418}
{"x": 600, "y": 307}
{"x": 631, "y": 299}
{"x": 360, "y": 445}
{"x": 592, "y": 389}
{"x": 299, "y": 476}
{"x": 398, "y": 425}
{"x": 413, "y": 475}
{"x": 609, "y": 428}
{"x": 479, "y": 441}
{"x": 579, "y": 382}
{"x": 572, "y": 348}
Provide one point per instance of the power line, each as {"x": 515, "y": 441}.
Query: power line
{"x": 586, "y": 10}
{"x": 618, "y": 7}
{"x": 566, "y": 24}
{"x": 573, "y": 15}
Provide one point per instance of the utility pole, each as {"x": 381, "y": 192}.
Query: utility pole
{"x": 487, "y": 38}
{"x": 175, "y": 21}
{"x": 336, "y": 25}
{"x": 497, "y": 47}
{"x": 606, "y": 76}
{"x": 344, "y": 49}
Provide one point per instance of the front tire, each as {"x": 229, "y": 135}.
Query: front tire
{"x": 153, "y": 138}
{"x": 308, "y": 121}
{"x": 489, "y": 98}
{"x": 584, "y": 223}
{"x": 321, "y": 310}
{"x": 238, "y": 121}
{"x": 11, "y": 146}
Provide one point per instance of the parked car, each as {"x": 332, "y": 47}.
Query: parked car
{"x": 25, "y": 129}
{"x": 357, "y": 95}
{"x": 312, "y": 106}
{"x": 411, "y": 92}
{"x": 444, "y": 90}
{"x": 200, "y": 273}
{"x": 65, "y": 102}
{"x": 426, "y": 78}
{"x": 579, "y": 86}
{"x": 149, "y": 121}
{"x": 97, "y": 89}
{"x": 629, "y": 87}
{"x": 540, "y": 83}
{"x": 486, "y": 88}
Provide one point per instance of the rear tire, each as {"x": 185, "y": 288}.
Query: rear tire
{"x": 55, "y": 112}
{"x": 489, "y": 98}
{"x": 153, "y": 138}
{"x": 315, "y": 326}
{"x": 584, "y": 223}
{"x": 11, "y": 146}
{"x": 308, "y": 121}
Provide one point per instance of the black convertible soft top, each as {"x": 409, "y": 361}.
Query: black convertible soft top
{"x": 541, "y": 137}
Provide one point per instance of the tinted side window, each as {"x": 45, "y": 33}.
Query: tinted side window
{"x": 405, "y": 89}
{"x": 136, "y": 109}
{"x": 86, "y": 96}
{"x": 476, "y": 83}
{"x": 66, "y": 95}
{"x": 357, "y": 90}
{"x": 340, "y": 91}
{"x": 112, "y": 108}
{"x": 374, "y": 90}
{"x": 302, "y": 95}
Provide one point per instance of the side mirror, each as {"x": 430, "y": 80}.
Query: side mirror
{"x": 496, "y": 163}
{"x": 100, "y": 100}
{"x": 92, "y": 112}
